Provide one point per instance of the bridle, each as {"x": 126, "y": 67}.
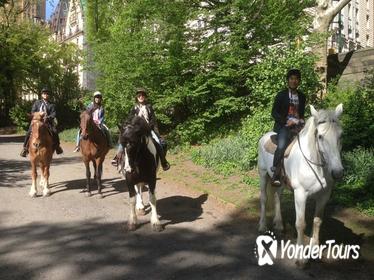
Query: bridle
{"x": 309, "y": 162}
{"x": 142, "y": 141}
{"x": 39, "y": 124}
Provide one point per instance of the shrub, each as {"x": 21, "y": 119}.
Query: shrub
{"x": 69, "y": 135}
{"x": 19, "y": 115}
{"x": 237, "y": 151}
{"x": 253, "y": 128}
{"x": 357, "y": 187}
{"x": 358, "y": 107}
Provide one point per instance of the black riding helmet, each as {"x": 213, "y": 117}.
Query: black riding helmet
{"x": 140, "y": 91}
{"x": 293, "y": 72}
{"x": 45, "y": 89}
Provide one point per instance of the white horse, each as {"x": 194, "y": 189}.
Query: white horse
{"x": 312, "y": 166}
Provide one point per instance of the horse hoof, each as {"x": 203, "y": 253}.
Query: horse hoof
{"x": 140, "y": 212}
{"x": 88, "y": 194}
{"x": 32, "y": 195}
{"x": 100, "y": 195}
{"x": 131, "y": 227}
{"x": 46, "y": 194}
{"x": 157, "y": 227}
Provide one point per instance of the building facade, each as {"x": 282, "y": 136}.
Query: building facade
{"x": 21, "y": 10}
{"x": 34, "y": 10}
{"x": 353, "y": 27}
{"x": 68, "y": 25}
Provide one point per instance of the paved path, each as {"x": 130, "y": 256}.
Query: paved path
{"x": 70, "y": 236}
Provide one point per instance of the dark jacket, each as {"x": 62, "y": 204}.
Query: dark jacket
{"x": 50, "y": 108}
{"x": 151, "y": 114}
{"x": 280, "y": 108}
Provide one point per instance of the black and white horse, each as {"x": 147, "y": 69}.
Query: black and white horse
{"x": 140, "y": 165}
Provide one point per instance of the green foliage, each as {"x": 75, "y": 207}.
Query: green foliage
{"x": 357, "y": 187}
{"x": 268, "y": 77}
{"x": 358, "y": 107}
{"x": 196, "y": 58}
{"x": 235, "y": 152}
{"x": 253, "y": 128}
{"x": 19, "y": 115}
{"x": 29, "y": 61}
{"x": 69, "y": 135}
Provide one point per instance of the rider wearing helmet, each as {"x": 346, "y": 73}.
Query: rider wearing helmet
{"x": 43, "y": 105}
{"x": 98, "y": 114}
{"x": 288, "y": 113}
{"x": 144, "y": 109}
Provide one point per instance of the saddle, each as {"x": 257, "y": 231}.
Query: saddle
{"x": 271, "y": 145}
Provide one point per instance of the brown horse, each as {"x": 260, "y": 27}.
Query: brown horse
{"x": 41, "y": 151}
{"x": 94, "y": 148}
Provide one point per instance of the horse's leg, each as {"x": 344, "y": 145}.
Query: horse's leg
{"x": 300, "y": 203}
{"x": 88, "y": 178}
{"x": 45, "y": 174}
{"x": 155, "y": 222}
{"x": 263, "y": 197}
{"x": 131, "y": 224}
{"x": 34, "y": 176}
{"x": 95, "y": 169}
{"x": 99, "y": 173}
{"x": 140, "y": 209}
{"x": 278, "y": 222}
{"x": 318, "y": 215}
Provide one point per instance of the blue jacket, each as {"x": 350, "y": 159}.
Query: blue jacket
{"x": 101, "y": 112}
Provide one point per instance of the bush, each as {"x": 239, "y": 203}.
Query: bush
{"x": 358, "y": 107}
{"x": 357, "y": 187}
{"x": 69, "y": 135}
{"x": 253, "y": 128}
{"x": 19, "y": 115}
{"x": 237, "y": 151}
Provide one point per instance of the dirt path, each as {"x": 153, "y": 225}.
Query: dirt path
{"x": 69, "y": 236}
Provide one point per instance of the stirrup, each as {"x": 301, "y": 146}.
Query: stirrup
{"x": 24, "y": 152}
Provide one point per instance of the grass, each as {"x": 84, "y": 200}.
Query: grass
{"x": 69, "y": 135}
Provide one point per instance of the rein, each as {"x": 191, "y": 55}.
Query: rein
{"x": 137, "y": 156}
{"x": 309, "y": 162}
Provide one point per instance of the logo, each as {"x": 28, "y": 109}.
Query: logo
{"x": 266, "y": 250}
{"x": 266, "y": 246}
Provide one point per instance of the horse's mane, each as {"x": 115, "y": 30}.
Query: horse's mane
{"x": 326, "y": 117}
{"x": 134, "y": 128}
{"x": 141, "y": 125}
{"x": 85, "y": 112}
{"x": 38, "y": 116}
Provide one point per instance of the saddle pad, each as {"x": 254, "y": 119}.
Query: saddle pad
{"x": 271, "y": 145}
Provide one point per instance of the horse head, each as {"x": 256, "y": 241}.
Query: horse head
{"x": 327, "y": 134}
{"x": 38, "y": 127}
{"x": 86, "y": 123}
{"x": 133, "y": 139}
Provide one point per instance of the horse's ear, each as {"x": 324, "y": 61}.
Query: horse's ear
{"x": 313, "y": 111}
{"x": 339, "y": 110}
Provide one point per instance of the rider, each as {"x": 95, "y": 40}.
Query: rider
{"x": 98, "y": 117}
{"x": 288, "y": 113}
{"x": 44, "y": 105}
{"x": 144, "y": 109}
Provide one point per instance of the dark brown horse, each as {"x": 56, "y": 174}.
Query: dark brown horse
{"x": 41, "y": 151}
{"x": 94, "y": 148}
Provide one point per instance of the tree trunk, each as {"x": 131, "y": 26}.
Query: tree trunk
{"x": 325, "y": 14}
